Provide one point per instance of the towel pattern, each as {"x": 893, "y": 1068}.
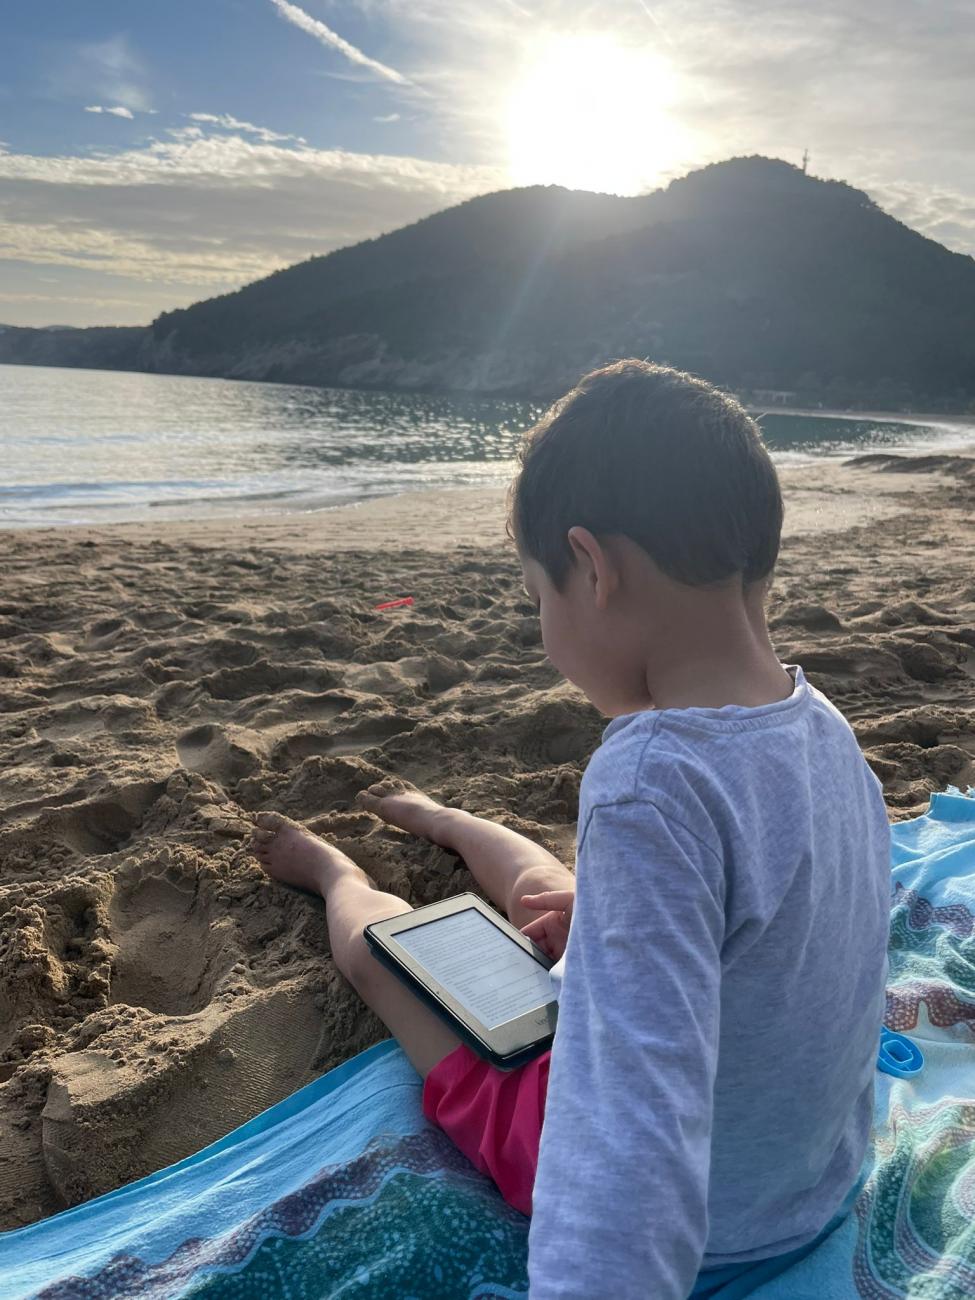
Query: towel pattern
{"x": 932, "y": 960}
{"x": 347, "y": 1213}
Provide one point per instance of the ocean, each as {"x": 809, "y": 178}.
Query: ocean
{"x": 99, "y": 446}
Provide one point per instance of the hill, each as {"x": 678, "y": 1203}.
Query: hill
{"x": 511, "y": 228}
{"x": 749, "y": 272}
{"x": 108, "y": 347}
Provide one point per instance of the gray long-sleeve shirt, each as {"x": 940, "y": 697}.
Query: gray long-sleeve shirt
{"x": 721, "y": 998}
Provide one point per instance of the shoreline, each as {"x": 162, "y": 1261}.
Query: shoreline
{"x": 161, "y": 684}
{"x": 821, "y": 494}
{"x": 803, "y": 478}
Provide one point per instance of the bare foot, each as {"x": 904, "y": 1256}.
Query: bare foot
{"x": 290, "y": 853}
{"x": 403, "y": 805}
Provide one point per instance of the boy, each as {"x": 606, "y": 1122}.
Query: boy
{"x": 723, "y": 942}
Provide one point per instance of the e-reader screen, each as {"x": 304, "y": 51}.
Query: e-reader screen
{"x": 479, "y": 966}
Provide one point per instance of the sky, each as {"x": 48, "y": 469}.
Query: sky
{"x": 153, "y": 154}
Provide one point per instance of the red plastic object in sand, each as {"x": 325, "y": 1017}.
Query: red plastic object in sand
{"x": 392, "y": 604}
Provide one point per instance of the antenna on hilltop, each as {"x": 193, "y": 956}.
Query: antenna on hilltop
{"x": 805, "y": 161}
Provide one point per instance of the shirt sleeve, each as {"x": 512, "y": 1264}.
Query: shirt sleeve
{"x": 620, "y": 1199}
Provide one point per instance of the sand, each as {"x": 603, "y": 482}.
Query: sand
{"x": 159, "y": 684}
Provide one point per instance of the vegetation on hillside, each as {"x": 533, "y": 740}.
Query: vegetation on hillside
{"x": 749, "y": 272}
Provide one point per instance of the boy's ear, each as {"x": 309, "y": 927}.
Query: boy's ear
{"x": 597, "y": 563}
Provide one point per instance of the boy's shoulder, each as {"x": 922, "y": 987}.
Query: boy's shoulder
{"x": 644, "y": 759}
{"x": 681, "y": 757}
{"x": 613, "y": 772}
{"x": 641, "y": 763}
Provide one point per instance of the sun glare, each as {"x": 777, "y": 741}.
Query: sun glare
{"x": 592, "y": 114}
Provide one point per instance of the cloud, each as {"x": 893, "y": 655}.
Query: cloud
{"x": 230, "y": 123}
{"x": 202, "y": 212}
{"x": 73, "y": 299}
{"x": 940, "y": 213}
{"x": 119, "y": 110}
{"x": 387, "y": 117}
{"x": 112, "y": 69}
{"x": 321, "y": 32}
{"x": 231, "y": 160}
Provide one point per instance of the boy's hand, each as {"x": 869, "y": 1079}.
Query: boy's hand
{"x": 551, "y": 930}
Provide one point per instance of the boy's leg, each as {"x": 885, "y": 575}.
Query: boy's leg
{"x": 295, "y": 856}
{"x": 505, "y": 864}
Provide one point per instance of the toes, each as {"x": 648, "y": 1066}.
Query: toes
{"x": 271, "y": 821}
{"x": 391, "y": 785}
{"x": 262, "y": 837}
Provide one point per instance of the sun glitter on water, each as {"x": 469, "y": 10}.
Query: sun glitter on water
{"x": 592, "y": 114}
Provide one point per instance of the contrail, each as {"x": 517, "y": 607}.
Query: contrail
{"x": 323, "y": 33}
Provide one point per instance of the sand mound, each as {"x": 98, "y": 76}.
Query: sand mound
{"x": 156, "y": 691}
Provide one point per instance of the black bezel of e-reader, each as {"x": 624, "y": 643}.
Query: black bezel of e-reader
{"x": 508, "y": 1045}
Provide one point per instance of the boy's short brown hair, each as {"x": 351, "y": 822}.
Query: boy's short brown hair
{"x": 658, "y": 456}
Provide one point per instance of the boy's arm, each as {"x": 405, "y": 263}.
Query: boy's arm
{"x": 620, "y": 1200}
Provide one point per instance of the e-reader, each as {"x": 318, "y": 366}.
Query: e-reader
{"x": 476, "y": 971}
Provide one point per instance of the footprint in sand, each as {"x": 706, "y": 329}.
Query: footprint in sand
{"x": 295, "y": 746}
{"x": 370, "y": 731}
{"x": 300, "y": 706}
{"x": 363, "y": 734}
{"x": 264, "y": 677}
{"x": 113, "y": 1114}
{"x": 116, "y": 715}
{"x": 171, "y": 954}
{"x": 103, "y": 824}
{"x": 222, "y": 753}
{"x": 105, "y": 632}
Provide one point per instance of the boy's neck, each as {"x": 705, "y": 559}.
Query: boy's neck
{"x": 708, "y": 684}
{"x": 728, "y": 661}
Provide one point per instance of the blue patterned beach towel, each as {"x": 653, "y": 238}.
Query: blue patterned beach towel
{"x": 344, "y": 1190}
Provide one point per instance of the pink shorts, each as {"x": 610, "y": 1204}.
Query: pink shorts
{"x": 493, "y": 1116}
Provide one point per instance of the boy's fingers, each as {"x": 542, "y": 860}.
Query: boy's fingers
{"x": 537, "y": 930}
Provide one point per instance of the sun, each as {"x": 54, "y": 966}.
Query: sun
{"x": 591, "y": 113}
